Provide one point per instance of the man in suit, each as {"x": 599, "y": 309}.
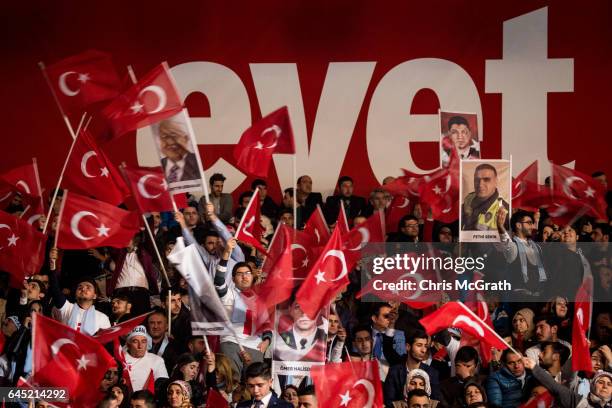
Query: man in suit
{"x": 179, "y": 162}
{"x": 223, "y": 201}
{"x": 304, "y": 340}
{"x": 259, "y": 383}
{"x": 353, "y": 205}
{"x": 306, "y": 199}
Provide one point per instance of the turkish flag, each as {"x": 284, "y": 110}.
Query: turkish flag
{"x": 544, "y": 400}
{"x": 214, "y": 399}
{"x": 24, "y": 179}
{"x": 409, "y": 184}
{"x": 326, "y": 277}
{"x": 87, "y": 223}
{"x": 456, "y": 314}
{"x": 316, "y": 228}
{"x": 479, "y": 306}
{"x": 278, "y": 283}
{"x": 272, "y": 134}
{"x": 562, "y": 210}
{"x": 121, "y": 329}
{"x": 22, "y": 248}
{"x": 66, "y": 358}
{"x": 342, "y": 221}
{"x": 371, "y": 231}
{"x": 304, "y": 254}
{"x": 400, "y": 206}
{"x": 581, "y": 356}
{"x": 441, "y": 192}
{"x": 153, "y": 98}
{"x": 90, "y": 172}
{"x": 350, "y": 384}
{"x": 81, "y": 80}
{"x": 150, "y": 190}
{"x": 526, "y": 192}
{"x": 250, "y": 229}
{"x": 580, "y": 188}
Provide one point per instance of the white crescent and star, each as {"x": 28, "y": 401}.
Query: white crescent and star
{"x": 567, "y": 185}
{"x": 519, "y": 187}
{"x": 558, "y": 211}
{"x": 580, "y": 316}
{"x": 142, "y": 189}
{"x": 57, "y": 345}
{"x": 12, "y": 240}
{"x": 161, "y": 99}
{"x": 473, "y": 324}
{"x": 320, "y": 276}
{"x": 365, "y": 238}
{"x": 247, "y": 225}
{"x": 405, "y": 203}
{"x": 298, "y": 246}
{"x": 277, "y": 132}
{"x": 76, "y": 219}
{"x": 24, "y": 185}
{"x": 103, "y": 170}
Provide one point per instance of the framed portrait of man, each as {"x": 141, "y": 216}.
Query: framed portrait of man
{"x": 458, "y": 131}
{"x": 178, "y": 153}
{"x": 484, "y": 188}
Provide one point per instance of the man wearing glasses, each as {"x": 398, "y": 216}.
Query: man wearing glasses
{"x": 232, "y": 296}
{"x": 524, "y": 256}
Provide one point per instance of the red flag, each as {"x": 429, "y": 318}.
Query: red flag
{"x": 580, "y": 188}
{"x": 562, "y": 210}
{"x": 87, "y": 223}
{"x": 342, "y": 221}
{"x": 441, "y": 192}
{"x": 63, "y": 357}
{"x": 478, "y": 305}
{"x": 525, "y": 188}
{"x": 24, "y": 179}
{"x": 22, "y": 248}
{"x": 250, "y": 228}
{"x": 326, "y": 277}
{"x": 409, "y": 184}
{"x": 215, "y": 399}
{"x": 316, "y": 228}
{"x": 371, "y": 231}
{"x": 400, "y": 206}
{"x": 544, "y": 400}
{"x": 150, "y": 383}
{"x": 150, "y": 190}
{"x": 349, "y": 384}
{"x": 107, "y": 335}
{"x": 81, "y": 80}
{"x": 90, "y": 172}
{"x": 153, "y": 98}
{"x": 272, "y": 134}
{"x": 304, "y": 253}
{"x": 456, "y": 314}
{"x": 581, "y": 356}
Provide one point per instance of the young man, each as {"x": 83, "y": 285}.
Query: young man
{"x": 307, "y": 397}
{"x": 505, "y": 387}
{"x": 418, "y": 398}
{"x": 417, "y": 348}
{"x": 353, "y": 205}
{"x": 259, "y": 383}
{"x": 552, "y": 358}
{"x": 466, "y": 370}
{"x": 222, "y": 201}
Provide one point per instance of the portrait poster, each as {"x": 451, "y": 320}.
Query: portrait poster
{"x": 178, "y": 154}
{"x": 299, "y": 344}
{"x": 484, "y": 187}
{"x": 458, "y": 130}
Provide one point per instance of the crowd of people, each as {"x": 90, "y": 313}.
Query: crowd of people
{"x": 90, "y": 290}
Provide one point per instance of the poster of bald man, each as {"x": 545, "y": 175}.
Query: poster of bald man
{"x": 178, "y": 153}
{"x": 485, "y": 191}
{"x": 459, "y": 131}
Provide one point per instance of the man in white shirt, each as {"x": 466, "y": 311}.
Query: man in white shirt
{"x": 139, "y": 362}
{"x": 259, "y": 383}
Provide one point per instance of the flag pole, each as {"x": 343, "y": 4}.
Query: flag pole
{"x": 57, "y": 230}
{"x": 56, "y": 99}
{"x": 488, "y": 328}
{"x": 59, "y": 181}
{"x": 206, "y": 344}
{"x": 295, "y": 220}
{"x": 198, "y": 158}
{"x": 35, "y": 164}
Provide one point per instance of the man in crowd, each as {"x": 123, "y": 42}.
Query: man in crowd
{"x": 259, "y": 383}
{"x": 222, "y": 202}
{"x": 307, "y": 397}
{"x": 353, "y": 205}
{"x": 307, "y": 199}
{"x": 139, "y": 362}
{"x": 162, "y": 344}
{"x": 505, "y": 387}
{"x": 267, "y": 205}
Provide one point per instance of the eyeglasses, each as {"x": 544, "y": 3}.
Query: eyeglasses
{"x": 529, "y": 222}
{"x": 248, "y": 273}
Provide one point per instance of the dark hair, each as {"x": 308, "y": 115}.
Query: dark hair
{"x": 358, "y": 328}
{"x": 518, "y": 216}
{"x": 343, "y": 179}
{"x": 466, "y": 354}
{"x": 285, "y": 211}
{"x": 258, "y": 182}
{"x": 549, "y": 318}
{"x": 307, "y": 390}
{"x": 163, "y": 295}
{"x": 405, "y": 218}
{"x": 183, "y": 359}
{"x": 416, "y": 393}
{"x": 563, "y": 351}
{"x": 40, "y": 284}
{"x": 258, "y": 369}
{"x": 505, "y": 354}
{"x": 417, "y": 334}
{"x": 240, "y": 265}
{"x": 480, "y": 404}
{"x": 377, "y": 307}
{"x": 286, "y": 387}
{"x": 485, "y": 166}
{"x": 146, "y": 395}
{"x": 216, "y": 177}
{"x": 483, "y": 392}
{"x": 605, "y": 228}
{"x": 598, "y": 173}
{"x": 246, "y": 194}
{"x": 289, "y": 191}
{"x": 458, "y": 120}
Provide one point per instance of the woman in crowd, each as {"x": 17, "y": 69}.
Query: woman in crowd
{"x": 522, "y": 328}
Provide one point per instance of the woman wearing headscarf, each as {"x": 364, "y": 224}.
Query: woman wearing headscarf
{"x": 179, "y": 394}
{"x": 472, "y": 393}
{"x": 522, "y": 329}
{"x": 416, "y": 379}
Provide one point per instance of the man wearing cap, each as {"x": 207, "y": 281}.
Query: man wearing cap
{"x": 82, "y": 315}
{"x": 139, "y": 362}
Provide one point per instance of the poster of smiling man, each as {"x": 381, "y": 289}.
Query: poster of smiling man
{"x": 485, "y": 188}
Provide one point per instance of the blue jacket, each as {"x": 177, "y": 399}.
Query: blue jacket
{"x": 274, "y": 402}
{"x": 504, "y": 389}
